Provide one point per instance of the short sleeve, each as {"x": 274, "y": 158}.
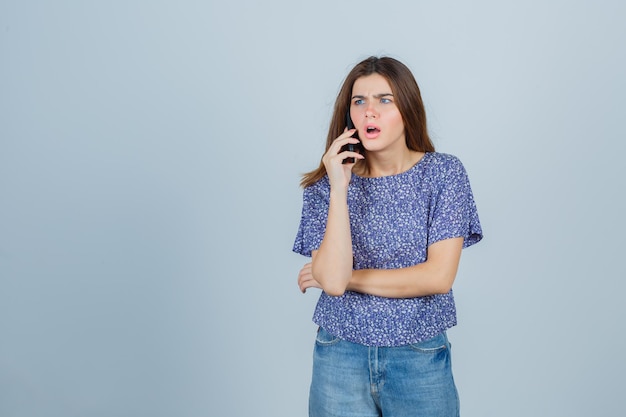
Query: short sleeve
{"x": 453, "y": 210}
{"x": 312, "y": 227}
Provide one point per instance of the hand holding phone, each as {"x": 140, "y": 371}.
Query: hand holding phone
{"x": 352, "y": 147}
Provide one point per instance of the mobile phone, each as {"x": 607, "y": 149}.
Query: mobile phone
{"x": 352, "y": 147}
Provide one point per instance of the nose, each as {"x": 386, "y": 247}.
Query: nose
{"x": 370, "y": 111}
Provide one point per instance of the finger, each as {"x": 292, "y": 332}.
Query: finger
{"x": 307, "y": 268}
{"x": 346, "y": 158}
{"x": 304, "y": 275}
{"x": 344, "y": 140}
{"x": 337, "y": 146}
{"x": 339, "y": 154}
{"x": 306, "y": 280}
{"x": 347, "y": 132}
{"x": 310, "y": 283}
{"x": 305, "y": 283}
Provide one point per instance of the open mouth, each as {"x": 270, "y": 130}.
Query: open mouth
{"x": 372, "y": 129}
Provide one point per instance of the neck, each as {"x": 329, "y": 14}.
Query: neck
{"x": 383, "y": 165}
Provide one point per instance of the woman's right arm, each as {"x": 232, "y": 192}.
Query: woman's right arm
{"x": 332, "y": 265}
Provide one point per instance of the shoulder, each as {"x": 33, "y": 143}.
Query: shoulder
{"x": 438, "y": 163}
{"x": 319, "y": 188}
{"x": 443, "y": 159}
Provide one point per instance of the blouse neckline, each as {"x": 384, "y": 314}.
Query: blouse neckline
{"x": 393, "y": 176}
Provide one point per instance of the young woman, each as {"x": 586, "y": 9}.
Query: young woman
{"x": 385, "y": 225}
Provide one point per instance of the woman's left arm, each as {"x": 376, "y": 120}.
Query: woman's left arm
{"x": 434, "y": 276}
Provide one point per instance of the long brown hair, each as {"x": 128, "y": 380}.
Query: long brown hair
{"x": 408, "y": 99}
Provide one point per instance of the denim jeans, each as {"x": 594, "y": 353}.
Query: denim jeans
{"x": 351, "y": 380}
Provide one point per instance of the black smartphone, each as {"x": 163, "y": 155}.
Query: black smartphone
{"x": 352, "y": 147}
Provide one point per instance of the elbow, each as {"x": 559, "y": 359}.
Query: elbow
{"x": 441, "y": 289}
{"x": 333, "y": 286}
{"x": 334, "y": 291}
{"x": 331, "y": 283}
{"x": 443, "y": 285}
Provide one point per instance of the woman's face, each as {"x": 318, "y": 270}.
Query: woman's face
{"x": 375, "y": 114}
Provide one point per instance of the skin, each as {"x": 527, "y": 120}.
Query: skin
{"x": 387, "y": 154}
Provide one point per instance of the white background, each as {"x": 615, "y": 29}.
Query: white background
{"x": 150, "y": 154}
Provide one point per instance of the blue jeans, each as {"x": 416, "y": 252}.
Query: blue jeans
{"x": 352, "y": 380}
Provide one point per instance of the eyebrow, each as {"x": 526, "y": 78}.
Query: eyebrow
{"x": 381, "y": 95}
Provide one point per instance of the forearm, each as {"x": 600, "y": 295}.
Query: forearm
{"x": 413, "y": 281}
{"x": 332, "y": 263}
{"x": 435, "y": 276}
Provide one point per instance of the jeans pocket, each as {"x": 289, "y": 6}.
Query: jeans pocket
{"x": 324, "y": 338}
{"x": 436, "y": 344}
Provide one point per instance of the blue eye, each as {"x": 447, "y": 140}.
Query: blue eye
{"x": 358, "y": 101}
{"x": 385, "y": 100}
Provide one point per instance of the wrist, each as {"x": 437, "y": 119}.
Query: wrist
{"x": 339, "y": 192}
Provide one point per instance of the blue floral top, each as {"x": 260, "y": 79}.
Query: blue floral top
{"x": 393, "y": 220}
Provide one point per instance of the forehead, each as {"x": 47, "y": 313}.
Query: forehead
{"x": 371, "y": 84}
